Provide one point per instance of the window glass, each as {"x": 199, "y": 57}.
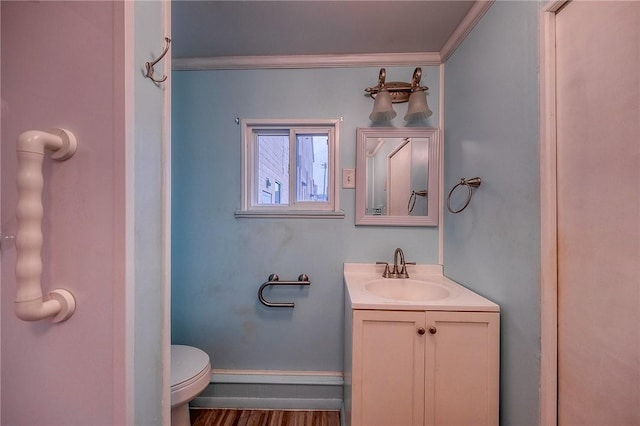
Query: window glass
{"x": 311, "y": 167}
{"x": 273, "y": 165}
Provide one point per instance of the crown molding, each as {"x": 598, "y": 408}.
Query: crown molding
{"x": 305, "y": 61}
{"x": 472, "y": 17}
{"x": 340, "y": 61}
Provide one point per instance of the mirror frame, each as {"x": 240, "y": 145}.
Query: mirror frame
{"x": 433, "y": 134}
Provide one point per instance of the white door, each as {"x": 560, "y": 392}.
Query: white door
{"x": 598, "y": 215}
{"x": 399, "y": 185}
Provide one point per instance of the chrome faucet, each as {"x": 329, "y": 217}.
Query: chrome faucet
{"x": 403, "y": 265}
{"x": 399, "y": 269}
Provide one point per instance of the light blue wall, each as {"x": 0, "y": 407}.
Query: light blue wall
{"x": 491, "y": 131}
{"x": 149, "y": 297}
{"x": 219, "y": 262}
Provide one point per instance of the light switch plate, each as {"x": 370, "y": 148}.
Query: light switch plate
{"x": 348, "y": 178}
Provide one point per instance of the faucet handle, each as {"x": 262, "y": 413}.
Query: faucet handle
{"x": 386, "y": 273}
{"x": 403, "y": 272}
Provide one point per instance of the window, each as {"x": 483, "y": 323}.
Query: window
{"x": 289, "y": 168}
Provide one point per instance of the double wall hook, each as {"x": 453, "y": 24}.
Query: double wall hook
{"x": 149, "y": 65}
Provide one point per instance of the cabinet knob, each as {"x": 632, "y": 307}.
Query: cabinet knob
{"x": 421, "y": 331}
{"x": 433, "y": 330}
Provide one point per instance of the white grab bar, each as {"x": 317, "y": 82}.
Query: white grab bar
{"x": 30, "y": 305}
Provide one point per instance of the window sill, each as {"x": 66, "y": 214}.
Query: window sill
{"x": 289, "y": 214}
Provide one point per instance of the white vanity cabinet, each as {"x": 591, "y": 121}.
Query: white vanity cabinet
{"x": 415, "y": 368}
{"x": 419, "y": 351}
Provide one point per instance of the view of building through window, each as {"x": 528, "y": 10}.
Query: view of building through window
{"x": 311, "y": 168}
{"x": 273, "y": 168}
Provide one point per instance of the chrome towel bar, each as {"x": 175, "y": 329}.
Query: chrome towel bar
{"x": 273, "y": 279}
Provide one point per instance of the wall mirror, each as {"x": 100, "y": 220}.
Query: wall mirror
{"x": 397, "y": 176}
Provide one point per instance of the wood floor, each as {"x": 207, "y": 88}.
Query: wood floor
{"x": 230, "y": 417}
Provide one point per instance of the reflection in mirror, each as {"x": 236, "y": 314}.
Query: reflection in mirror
{"x": 397, "y": 176}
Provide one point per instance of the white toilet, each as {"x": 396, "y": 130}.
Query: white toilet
{"x": 190, "y": 375}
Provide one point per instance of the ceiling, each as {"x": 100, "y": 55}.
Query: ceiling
{"x": 309, "y": 27}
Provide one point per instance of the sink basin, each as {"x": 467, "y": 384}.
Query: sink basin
{"x": 406, "y": 289}
{"x": 426, "y": 290}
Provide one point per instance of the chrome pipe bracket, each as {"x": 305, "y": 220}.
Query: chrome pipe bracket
{"x": 303, "y": 279}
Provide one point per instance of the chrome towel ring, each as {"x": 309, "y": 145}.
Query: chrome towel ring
{"x": 469, "y": 183}
{"x": 412, "y": 198}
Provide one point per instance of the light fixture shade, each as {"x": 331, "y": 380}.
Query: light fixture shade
{"x": 382, "y": 107}
{"x": 418, "y": 108}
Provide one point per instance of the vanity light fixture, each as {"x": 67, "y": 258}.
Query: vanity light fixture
{"x": 386, "y": 94}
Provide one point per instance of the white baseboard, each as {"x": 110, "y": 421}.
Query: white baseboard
{"x": 267, "y": 403}
{"x": 260, "y": 389}
{"x": 282, "y": 377}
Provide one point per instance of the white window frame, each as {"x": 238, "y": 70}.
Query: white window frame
{"x": 250, "y": 206}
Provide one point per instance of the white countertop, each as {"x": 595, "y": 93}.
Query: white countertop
{"x": 357, "y": 275}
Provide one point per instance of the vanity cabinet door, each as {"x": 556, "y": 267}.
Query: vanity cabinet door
{"x": 388, "y": 368}
{"x": 462, "y": 368}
